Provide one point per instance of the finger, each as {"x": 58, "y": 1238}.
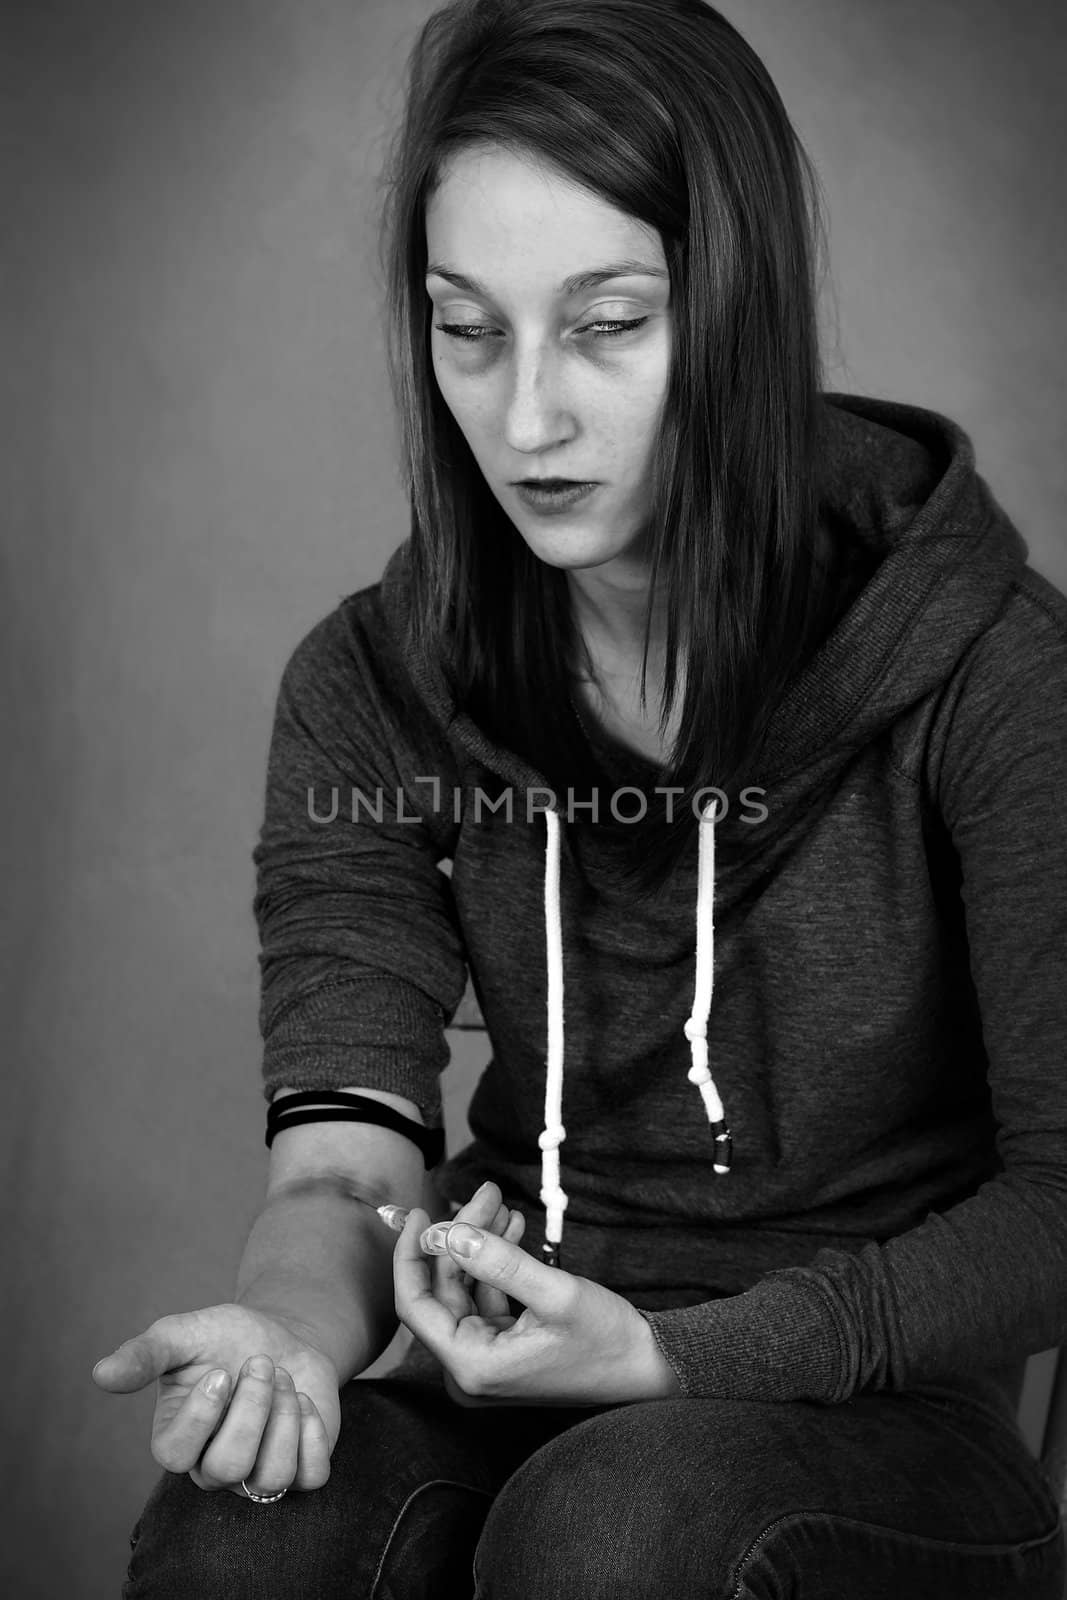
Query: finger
{"x": 314, "y": 1465}
{"x": 179, "y": 1444}
{"x": 450, "y": 1287}
{"x": 489, "y": 1300}
{"x": 231, "y": 1454}
{"x": 499, "y": 1225}
{"x": 167, "y": 1343}
{"x": 450, "y": 1284}
{"x": 419, "y": 1309}
{"x": 548, "y": 1291}
{"x": 276, "y": 1463}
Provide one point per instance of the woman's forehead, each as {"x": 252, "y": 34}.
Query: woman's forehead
{"x": 523, "y": 213}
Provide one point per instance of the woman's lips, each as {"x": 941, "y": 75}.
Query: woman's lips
{"x": 550, "y": 502}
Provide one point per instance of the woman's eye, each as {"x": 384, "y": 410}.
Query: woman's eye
{"x": 475, "y": 333}
{"x": 610, "y": 330}
{"x": 471, "y": 331}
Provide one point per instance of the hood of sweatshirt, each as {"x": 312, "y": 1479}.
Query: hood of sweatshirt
{"x": 903, "y": 504}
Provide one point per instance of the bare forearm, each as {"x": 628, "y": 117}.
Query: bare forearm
{"x": 320, "y": 1257}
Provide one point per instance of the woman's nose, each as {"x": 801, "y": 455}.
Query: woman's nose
{"x": 537, "y": 413}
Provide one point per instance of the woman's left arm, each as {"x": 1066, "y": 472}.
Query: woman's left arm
{"x": 983, "y": 1283}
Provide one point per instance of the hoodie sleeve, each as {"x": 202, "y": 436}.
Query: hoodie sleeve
{"x": 361, "y": 958}
{"x": 984, "y": 1283}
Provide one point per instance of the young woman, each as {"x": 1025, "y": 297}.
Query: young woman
{"x": 741, "y": 721}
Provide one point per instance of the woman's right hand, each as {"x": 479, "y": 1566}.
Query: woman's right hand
{"x": 275, "y": 1431}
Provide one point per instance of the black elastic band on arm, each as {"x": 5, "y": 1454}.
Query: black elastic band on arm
{"x": 286, "y": 1113}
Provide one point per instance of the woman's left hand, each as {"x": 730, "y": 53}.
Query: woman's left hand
{"x": 575, "y": 1343}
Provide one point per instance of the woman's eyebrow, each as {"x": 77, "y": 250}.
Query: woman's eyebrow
{"x": 577, "y": 283}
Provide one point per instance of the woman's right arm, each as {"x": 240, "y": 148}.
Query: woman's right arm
{"x": 363, "y": 964}
{"x": 317, "y": 1255}
{"x": 314, "y": 1296}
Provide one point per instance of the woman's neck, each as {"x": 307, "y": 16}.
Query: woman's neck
{"x": 609, "y": 612}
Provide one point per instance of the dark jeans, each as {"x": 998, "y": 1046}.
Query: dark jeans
{"x": 929, "y": 1495}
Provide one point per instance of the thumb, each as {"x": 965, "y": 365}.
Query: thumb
{"x": 140, "y": 1360}
{"x": 492, "y": 1259}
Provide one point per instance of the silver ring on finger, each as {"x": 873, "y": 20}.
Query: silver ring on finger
{"x": 263, "y": 1499}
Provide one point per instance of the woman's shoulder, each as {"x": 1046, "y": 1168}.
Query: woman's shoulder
{"x": 1038, "y": 609}
{"x": 999, "y": 733}
{"x": 354, "y": 641}
{"x": 1026, "y": 640}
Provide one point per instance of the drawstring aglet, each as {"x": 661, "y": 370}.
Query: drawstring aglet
{"x": 550, "y": 1254}
{"x": 724, "y": 1147}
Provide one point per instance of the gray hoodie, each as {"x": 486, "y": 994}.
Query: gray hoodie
{"x": 867, "y": 951}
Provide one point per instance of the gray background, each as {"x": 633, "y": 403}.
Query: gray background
{"x": 200, "y": 463}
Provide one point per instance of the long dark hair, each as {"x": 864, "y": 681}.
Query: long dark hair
{"x": 661, "y": 108}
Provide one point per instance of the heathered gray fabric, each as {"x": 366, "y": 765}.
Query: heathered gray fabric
{"x": 890, "y": 1013}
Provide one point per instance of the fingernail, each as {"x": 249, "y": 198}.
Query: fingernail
{"x": 481, "y": 1188}
{"x": 464, "y": 1240}
{"x": 259, "y": 1366}
{"x": 434, "y": 1240}
{"x": 282, "y": 1380}
{"x": 216, "y": 1383}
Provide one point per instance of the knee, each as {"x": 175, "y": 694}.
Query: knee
{"x": 189, "y": 1541}
{"x": 396, "y": 1513}
{"x": 591, "y": 1513}
{"x": 218, "y": 1546}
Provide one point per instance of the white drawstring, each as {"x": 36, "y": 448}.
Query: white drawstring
{"x": 696, "y": 1028}
{"x": 552, "y": 1196}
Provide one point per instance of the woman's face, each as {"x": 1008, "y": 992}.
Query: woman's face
{"x": 530, "y": 278}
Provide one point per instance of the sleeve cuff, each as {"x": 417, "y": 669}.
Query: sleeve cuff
{"x": 779, "y": 1340}
{"x": 365, "y": 1033}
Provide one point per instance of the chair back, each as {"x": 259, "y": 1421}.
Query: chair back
{"x": 1054, "y": 1438}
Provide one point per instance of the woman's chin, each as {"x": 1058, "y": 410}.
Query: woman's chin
{"x": 570, "y": 545}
